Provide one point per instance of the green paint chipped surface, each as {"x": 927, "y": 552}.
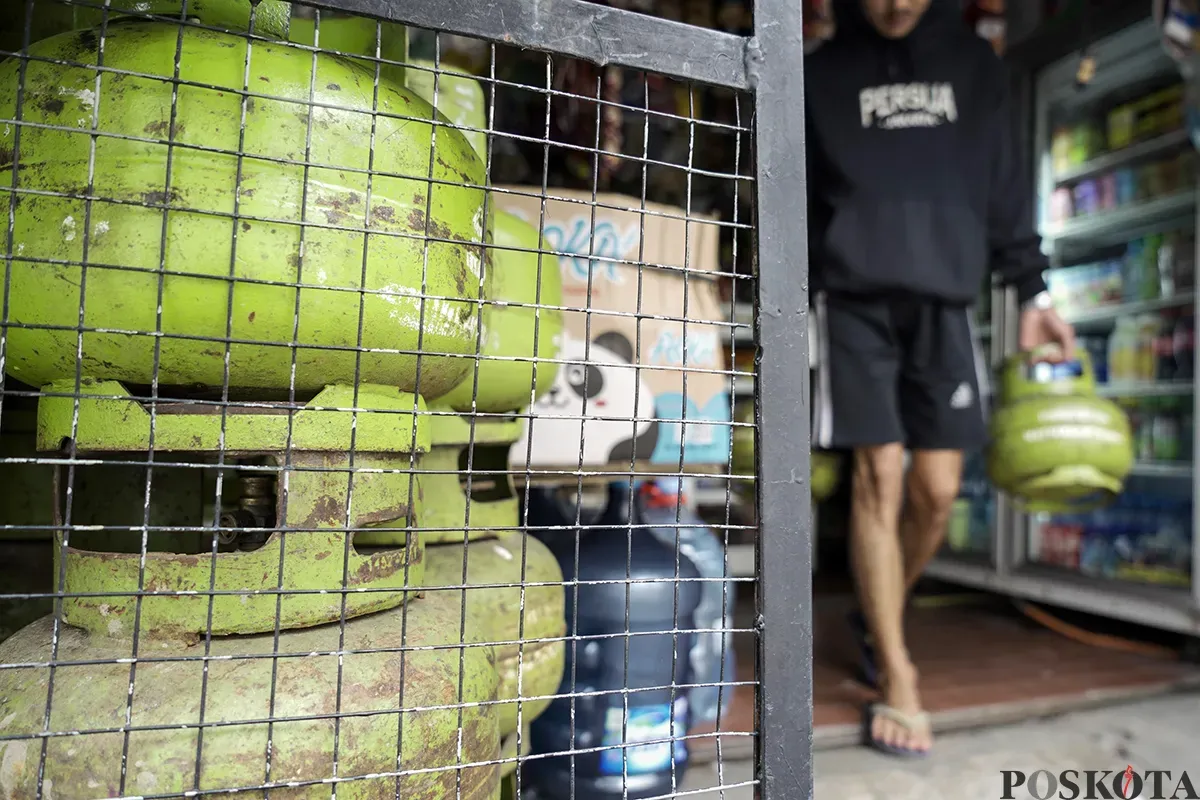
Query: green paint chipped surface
{"x": 167, "y": 694}
{"x": 528, "y": 667}
{"x": 441, "y": 511}
{"x": 109, "y": 421}
{"x": 415, "y": 236}
{"x": 522, "y": 325}
{"x": 270, "y": 19}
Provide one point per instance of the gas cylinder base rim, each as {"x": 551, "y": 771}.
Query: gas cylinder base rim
{"x": 453, "y": 428}
{"x": 459, "y": 537}
{"x": 107, "y": 591}
{"x": 103, "y": 416}
{"x": 1067, "y": 489}
{"x": 396, "y": 538}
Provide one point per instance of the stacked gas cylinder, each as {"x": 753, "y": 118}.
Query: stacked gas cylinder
{"x": 252, "y": 213}
{"x": 825, "y": 466}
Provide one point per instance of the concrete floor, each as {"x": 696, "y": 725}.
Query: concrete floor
{"x": 1159, "y": 733}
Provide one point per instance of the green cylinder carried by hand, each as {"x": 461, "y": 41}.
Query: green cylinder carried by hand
{"x": 1055, "y": 445}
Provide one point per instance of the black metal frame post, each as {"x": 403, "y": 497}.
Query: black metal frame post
{"x": 785, "y": 654}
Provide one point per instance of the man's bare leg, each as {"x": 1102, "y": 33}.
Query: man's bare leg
{"x": 932, "y": 484}
{"x": 877, "y": 562}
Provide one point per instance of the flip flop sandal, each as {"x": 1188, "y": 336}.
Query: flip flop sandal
{"x": 910, "y": 722}
{"x": 868, "y": 670}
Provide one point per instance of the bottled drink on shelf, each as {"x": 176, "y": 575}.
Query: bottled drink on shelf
{"x": 1149, "y": 285}
{"x": 1183, "y": 344}
{"x": 1122, "y": 351}
{"x": 1164, "y": 347}
{"x": 1144, "y": 537}
{"x": 1147, "y": 334}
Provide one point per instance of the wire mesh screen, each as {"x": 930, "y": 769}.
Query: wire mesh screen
{"x": 377, "y": 416}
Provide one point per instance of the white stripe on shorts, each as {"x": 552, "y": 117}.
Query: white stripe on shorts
{"x": 823, "y": 402}
{"x": 982, "y": 368}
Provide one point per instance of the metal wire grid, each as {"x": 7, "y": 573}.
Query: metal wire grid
{"x": 160, "y": 472}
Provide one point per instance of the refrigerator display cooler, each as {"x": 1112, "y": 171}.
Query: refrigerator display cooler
{"x": 1115, "y": 176}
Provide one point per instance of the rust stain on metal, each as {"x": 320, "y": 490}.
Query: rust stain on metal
{"x": 397, "y": 512}
{"x": 326, "y": 512}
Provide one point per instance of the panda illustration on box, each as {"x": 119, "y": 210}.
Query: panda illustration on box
{"x": 613, "y": 431}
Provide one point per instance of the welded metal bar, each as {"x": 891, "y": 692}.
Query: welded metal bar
{"x": 578, "y": 29}
{"x": 783, "y": 494}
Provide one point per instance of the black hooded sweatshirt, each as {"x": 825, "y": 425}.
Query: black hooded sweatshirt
{"x": 914, "y": 183}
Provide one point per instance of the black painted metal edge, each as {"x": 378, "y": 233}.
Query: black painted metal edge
{"x": 785, "y": 663}
{"x": 576, "y": 28}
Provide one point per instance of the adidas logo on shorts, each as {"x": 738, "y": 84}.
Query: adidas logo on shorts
{"x": 963, "y": 397}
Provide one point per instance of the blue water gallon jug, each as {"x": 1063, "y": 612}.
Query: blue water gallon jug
{"x": 625, "y": 669}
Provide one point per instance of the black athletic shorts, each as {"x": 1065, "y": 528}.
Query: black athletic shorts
{"x": 897, "y": 369}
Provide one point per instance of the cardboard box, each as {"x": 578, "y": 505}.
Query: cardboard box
{"x": 627, "y": 338}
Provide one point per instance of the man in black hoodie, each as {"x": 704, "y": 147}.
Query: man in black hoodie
{"x": 916, "y": 192}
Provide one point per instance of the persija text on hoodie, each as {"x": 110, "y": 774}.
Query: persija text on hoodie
{"x": 915, "y": 185}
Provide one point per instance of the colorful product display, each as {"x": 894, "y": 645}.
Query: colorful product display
{"x": 973, "y": 517}
{"x": 1150, "y": 268}
{"x": 1074, "y": 145}
{"x": 1121, "y": 187}
{"x": 1152, "y": 115}
{"x": 1142, "y": 537}
{"x": 1162, "y": 429}
{"x": 1145, "y": 348}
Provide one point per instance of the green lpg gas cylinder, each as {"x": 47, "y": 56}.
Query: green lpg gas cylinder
{"x": 517, "y": 327}
{"x": 825, "y": 471}
{"x": 512, "y": 749}
{"x": 743, "y": 440}
{"x": 459, "y": 97}
{"x": 271, "y": 17}
{"x": 825, "y": 466}
{"x": 265, "y": 218}
{"x": 466, "y": 490}
{"x": 1055, "y": 445}
{"x": 301, "y": 681}
{"x": 526, "y": 624}
{"x": 336, "y": 469}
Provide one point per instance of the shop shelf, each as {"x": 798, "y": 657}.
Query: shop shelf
{"x": 1120, "y": 224}
{"x": 1163, "y": 469}
{"x": 1163, "y": 607}
{"x": 1118, "y": 158}
{"x": 1114, "y": 312}
{"x": 1146, "y": 389}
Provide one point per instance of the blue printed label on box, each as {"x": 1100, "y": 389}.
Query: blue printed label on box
{"x": 654, "y": 725}
{"x": 704, "y": 434}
